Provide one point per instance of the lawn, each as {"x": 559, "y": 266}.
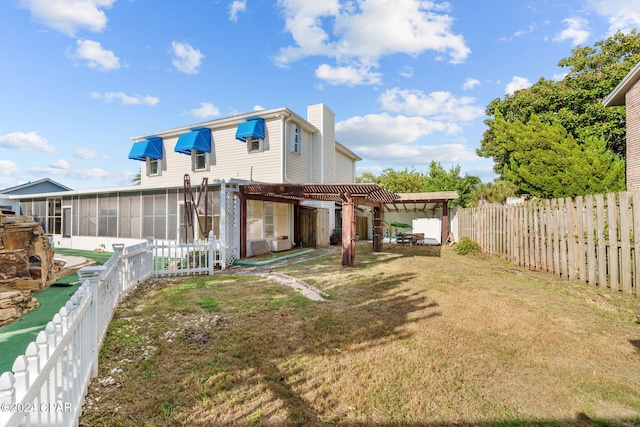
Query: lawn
{"x": 404, "y": 339}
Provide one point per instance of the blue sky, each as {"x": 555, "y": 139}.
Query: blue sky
{"x": 408, "y": 80}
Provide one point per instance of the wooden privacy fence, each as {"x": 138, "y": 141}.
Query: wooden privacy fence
{"x": 590, "y": 238}
{"x": 48, "y": 383}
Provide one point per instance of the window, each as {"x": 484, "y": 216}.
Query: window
{"x": 200, "y": 160}
{"x": 54, "y": 216}
{"x": 254, "y": 144}
{"x": 153, "y": 166}
{"x": 296, "y": 140}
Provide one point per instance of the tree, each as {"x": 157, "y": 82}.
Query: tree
{"x": 575, "y": 102}
{"x": 545, "y": 160}
{"x": 436, "y": 179}
{"x": 493, "y": 192}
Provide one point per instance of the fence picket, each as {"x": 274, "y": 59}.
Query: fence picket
{"x": 612, "y": 210}
{"x": 581, "y": 252}
{"x": 602, "y": 248}
{"x": 625, "y": 248}
{"x": 590, "y": 238}
{"x": 591, "y": 245}
{"x": 636, "y": 241}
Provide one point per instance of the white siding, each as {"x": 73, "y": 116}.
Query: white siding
{"x": 344, "y": 168}
{"x": 298, "y": 165}
{"x": 229, "y": 159}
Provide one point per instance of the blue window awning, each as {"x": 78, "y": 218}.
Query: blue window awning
{"x": 150, "y": 148}
{"x": 197, "y": 139}
{"x": 253, "y": 127}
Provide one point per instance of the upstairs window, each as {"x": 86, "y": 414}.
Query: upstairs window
{"x": 153, "y": 167}
{"x": 254, "y": 144}
{"x": 252, "y": 132}
{"x": 200, "y": 160}
{"x": 296, "y": 139}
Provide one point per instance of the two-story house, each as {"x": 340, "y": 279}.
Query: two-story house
{"x": 267, "y": 146}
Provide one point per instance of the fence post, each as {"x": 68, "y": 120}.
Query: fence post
{"x": 150, "y": 248}
{"x": 93, "y": 325}
{"x": 212, "y": 253}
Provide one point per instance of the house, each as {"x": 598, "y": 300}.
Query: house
{"x": 44, "y": 185}
{"x": 202, "y": 166}
{"x": 628, "y": 93}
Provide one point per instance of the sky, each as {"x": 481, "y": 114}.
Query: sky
{"x": 408, "y": 80}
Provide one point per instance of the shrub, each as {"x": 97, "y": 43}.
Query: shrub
{"x": 467, "y": 246}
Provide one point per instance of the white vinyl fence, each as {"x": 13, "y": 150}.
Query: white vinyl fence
{"x": 48, "y": 383}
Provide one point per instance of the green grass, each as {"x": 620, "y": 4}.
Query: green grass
{"x": 404, "y": 340}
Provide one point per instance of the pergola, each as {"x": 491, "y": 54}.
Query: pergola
{"x": 423, "y": 202}
{"x": 349, "y": 195}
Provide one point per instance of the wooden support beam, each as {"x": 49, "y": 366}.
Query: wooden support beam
{"x": 445, "y": 223}
{"x": 378, "y": 229}
{"x": 348, "y": 230}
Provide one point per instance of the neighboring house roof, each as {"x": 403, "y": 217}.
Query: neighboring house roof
{"x": 45, "y": 185}
{"x": 617, "y": 97}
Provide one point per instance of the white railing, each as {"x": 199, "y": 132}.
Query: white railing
{"x": 178, "y": 259}
{"x": 48, "y": 383}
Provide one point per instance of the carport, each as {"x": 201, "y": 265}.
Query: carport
{"x": 349, "y": 195}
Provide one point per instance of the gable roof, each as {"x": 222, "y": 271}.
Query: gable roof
{"x": 617, "y": 97}
{"x": 44, "y": 185}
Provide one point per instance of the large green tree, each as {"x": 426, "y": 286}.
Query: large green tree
{"x": 575, "y": 102}
{"x": 437, "y": 178}
{"x": 544, "y": 160}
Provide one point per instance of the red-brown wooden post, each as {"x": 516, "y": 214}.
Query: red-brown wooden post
{"x": 348, "y": 230}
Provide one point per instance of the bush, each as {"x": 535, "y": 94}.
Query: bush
{"x": 467, "y": 246}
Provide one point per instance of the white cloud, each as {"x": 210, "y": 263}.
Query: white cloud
{"x": 415, "y": 154}
{"x": 60, "y": 164}
{"x": 358, "y": 34}
{"x": 529, "y": 29}
{"x": 470, "y": 83}
{"x": 258, "y": 107}
{"x": 237, "y": 6}
{"x": 96, "y": 57}
{"x": 186, "y": 58}
{"x": 206, "y": 110}
{"x": 577, "y": 31}
{"x": 517, "y": 83}
{"x": 622, "y": 15}
{"x": 68, "y": 16}
{"x": 406, "y": 72}
{"x": 9, "y": 168}
{"x": 382, "y": 130}
{"x": 87, "y": 154}
{"x": 26, "y": 141}
{"x": 73, "y": 173}
{"x": 348, "y": 75}
{"x": 439, "y": 105}
{"x": 126, "y": 99}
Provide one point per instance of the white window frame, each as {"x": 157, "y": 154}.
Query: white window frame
{"x": 296, "y": 139}
{"x": 251, "y": 140}
{"x": 158, "y": 163}
{"x": 194, "y": 160}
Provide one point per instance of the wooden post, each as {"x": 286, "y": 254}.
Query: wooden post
{"x": 348, "y": 230}
{"x": 378, "y": 230}
{"x": 243, "y": 226}
{"x": 445, "y": 223}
